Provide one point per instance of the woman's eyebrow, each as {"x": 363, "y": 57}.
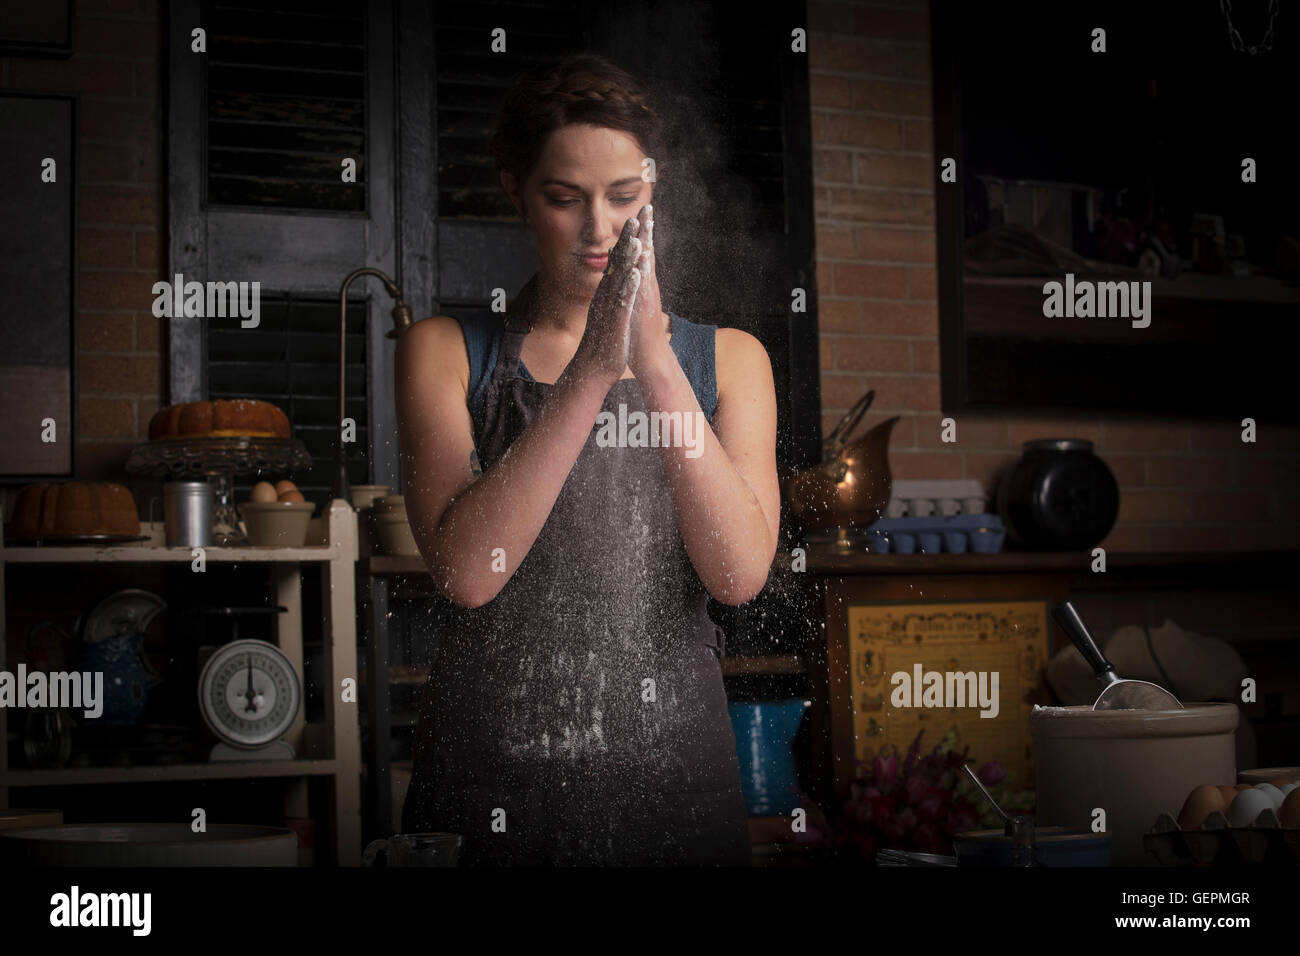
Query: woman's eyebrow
{"x": 577, "y": 188}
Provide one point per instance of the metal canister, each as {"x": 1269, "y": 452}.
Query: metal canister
{"x": 187, "y": 508}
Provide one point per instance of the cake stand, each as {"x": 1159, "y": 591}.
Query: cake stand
{"x": 218, "y": 460}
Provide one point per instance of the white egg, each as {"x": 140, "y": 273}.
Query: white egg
{"x": 1248, "y": 805}
{"x": 1274, "y": 794}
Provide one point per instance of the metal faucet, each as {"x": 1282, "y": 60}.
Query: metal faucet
{"x": 342, "y": 488}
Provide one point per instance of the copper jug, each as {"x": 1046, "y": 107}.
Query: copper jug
{"x": 850, "y": 489}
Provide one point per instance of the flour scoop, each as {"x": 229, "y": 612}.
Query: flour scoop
{"x": 1118, "y": 694}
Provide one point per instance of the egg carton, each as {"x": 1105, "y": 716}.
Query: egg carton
{"x": 1217, "y": 843}
{"x": 958, "y": 534}
{"x": 923, "y": 499}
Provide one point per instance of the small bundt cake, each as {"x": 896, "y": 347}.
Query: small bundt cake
{"x": 73, "y": 508}
{"x": 222, "y": 418}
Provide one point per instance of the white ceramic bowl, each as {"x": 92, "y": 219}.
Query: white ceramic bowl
{"x": 394, "y": 534}
{"x": 149, "y": 844}
{"x": 277, "y": 524}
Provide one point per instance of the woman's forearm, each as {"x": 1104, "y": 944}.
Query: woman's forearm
{"x": 508, "y": 505}
{"x": 727, "y": 535}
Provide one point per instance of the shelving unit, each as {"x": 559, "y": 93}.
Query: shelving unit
{"x": 331, "y": 748}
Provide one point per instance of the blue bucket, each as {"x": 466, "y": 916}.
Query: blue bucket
{"x": 764, "y": 738}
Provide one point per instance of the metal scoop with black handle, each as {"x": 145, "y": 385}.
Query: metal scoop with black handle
{"x": 1118, "y": 694}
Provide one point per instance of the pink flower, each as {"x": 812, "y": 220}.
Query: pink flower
{"x": 929, "y": 839}
{"x": 914, "y": 788}
{"x": 862, "y": 812}
{"x": 991, "y": 773}
{"x": 882, "y": 809}
{"x": 885, "y": 770}
{"x": 934, "y": 805}
{"x": 962, "y": 817}
{"x": 906, "y": 820}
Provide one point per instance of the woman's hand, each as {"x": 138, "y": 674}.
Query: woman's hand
{"x": 649, "y": 340}
{"x": 604, "y": 348}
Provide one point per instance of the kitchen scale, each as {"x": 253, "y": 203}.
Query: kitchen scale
{"x": 249, "y": 694}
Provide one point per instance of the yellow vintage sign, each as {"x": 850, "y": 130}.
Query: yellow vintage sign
{"x": 975, "y": 667}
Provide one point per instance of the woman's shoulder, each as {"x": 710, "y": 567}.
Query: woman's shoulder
{"x": 738, "y": 346}
{"x": 431, "y": 330}
{"x": 438, "y": 334}
{"x": 741, "y": 359}
{"x": 441, "y": 342}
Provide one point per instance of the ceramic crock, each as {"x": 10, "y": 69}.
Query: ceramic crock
{"x": 1132, "y": 765}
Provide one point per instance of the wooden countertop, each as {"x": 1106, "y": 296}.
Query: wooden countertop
{"x": 836, "y": 563}
{"x": 839, "y": 564}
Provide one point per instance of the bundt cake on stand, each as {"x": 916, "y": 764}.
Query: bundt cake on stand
{"x": 217, "y": 440}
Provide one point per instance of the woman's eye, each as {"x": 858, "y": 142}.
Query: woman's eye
{"x": 618, "y": 200}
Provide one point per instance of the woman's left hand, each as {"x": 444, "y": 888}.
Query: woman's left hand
{"x": 648, "y": 344}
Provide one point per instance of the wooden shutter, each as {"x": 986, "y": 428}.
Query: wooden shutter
{"x": 293, "y": 362}
{"x": 286, "y": 86}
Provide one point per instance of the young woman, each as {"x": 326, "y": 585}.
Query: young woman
{"x": 575, "y": 713}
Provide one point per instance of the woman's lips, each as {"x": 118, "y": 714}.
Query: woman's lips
{"x": 595, "y": 262}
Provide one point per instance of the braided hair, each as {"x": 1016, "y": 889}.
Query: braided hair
{"x": 581, "y": 88}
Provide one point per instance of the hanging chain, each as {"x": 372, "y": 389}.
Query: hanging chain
{"x": 1234, "y": 37}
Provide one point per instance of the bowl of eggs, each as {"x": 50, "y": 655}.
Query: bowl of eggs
{"x": 276, "y": 516}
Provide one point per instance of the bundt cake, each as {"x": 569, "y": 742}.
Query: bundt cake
{"x": 222, "y": 418}
{"x": 73, "y": 508}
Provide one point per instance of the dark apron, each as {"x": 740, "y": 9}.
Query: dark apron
{"x": 579, "y": 717}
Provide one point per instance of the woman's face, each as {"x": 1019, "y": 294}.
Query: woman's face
{"x": 586, "y": 184}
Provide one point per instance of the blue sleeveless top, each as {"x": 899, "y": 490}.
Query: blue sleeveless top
{"x": 692, "y": 343}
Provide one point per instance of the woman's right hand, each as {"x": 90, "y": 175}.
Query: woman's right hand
{"x": 603, "y": 350}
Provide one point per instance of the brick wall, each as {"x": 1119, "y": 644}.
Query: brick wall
{"x": 116, "y": 72}
{"x": 1185, "y": 485}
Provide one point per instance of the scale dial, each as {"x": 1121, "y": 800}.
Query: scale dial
{"x": 249, "y": 694}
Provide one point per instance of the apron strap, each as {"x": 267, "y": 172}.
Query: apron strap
{"x": 518, "y": 323}
{"x": 512, "y": 346}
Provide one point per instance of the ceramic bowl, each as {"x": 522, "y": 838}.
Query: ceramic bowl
{"x": 1055, "y": 846}
{"x": 363, "y": 496}
{"x": 149, "y": 844}
{"x": 393, "y": 533}
{"x": 1268, "y": 774}
{"x": 277, "y": 524}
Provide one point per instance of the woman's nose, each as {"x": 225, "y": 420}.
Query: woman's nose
{"x": 599, "y": 239}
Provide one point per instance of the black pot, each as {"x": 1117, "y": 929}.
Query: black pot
{"x": 1058, "y": 497}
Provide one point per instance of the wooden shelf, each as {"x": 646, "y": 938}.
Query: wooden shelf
{"x": 823, "y": 561}
{"x": 389, "y": 564}
{"x": 143, "y": 553}
{"x": 234, "y": 770}
{"x": 341, "y": 728}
